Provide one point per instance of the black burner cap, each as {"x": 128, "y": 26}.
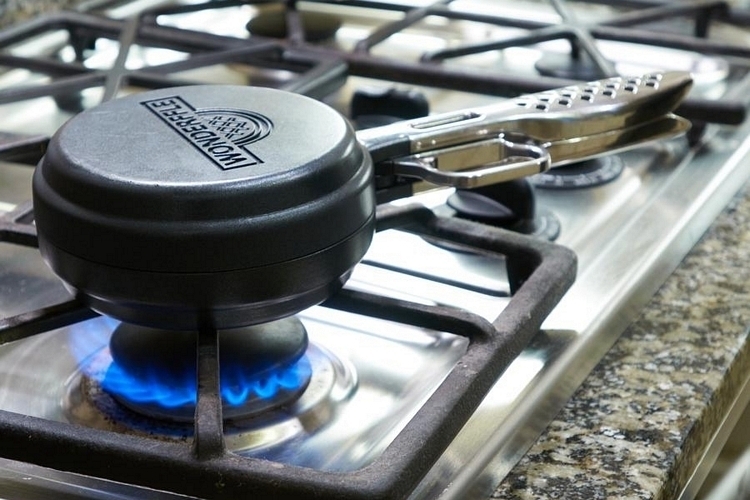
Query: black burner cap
{"x": 568, "y": 67}
{"x": 221, "y": 205}
{"x": 143, "y": 351}
{"x": 318, "y": 26}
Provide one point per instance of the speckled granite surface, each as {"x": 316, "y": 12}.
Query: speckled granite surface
{"x": 12, "y": 11}
{"x": 638, "y": 426}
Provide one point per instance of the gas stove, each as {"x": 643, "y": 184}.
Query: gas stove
{"x": 451, "y": 344}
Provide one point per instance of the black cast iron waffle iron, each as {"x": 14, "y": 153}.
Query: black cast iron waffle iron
{"x": 241, "y": 205}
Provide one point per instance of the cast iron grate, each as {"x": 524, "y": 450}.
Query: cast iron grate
{"x": 320, "y": 69}
{"x": 539, "y": 274}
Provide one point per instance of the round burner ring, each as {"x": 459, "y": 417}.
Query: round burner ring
{"x": 86, "y": 403}
{"x": 204, "y": 206}
{"x": 153, "y": 371}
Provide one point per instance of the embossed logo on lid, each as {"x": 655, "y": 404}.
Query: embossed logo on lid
{"x": 221, "y": 135}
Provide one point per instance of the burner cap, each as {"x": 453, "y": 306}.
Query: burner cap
{"x": 568, "y": 67}
{"x": 510, "y": 205}
{"x": 214, "y": 206}
{"x": 318, "y": 26}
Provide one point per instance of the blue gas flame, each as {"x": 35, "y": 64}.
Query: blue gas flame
{"x": 89, "y": 343}
{"x": 237, "y": 387}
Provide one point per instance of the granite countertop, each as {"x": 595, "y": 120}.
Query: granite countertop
{"x": 13, "y": 11}
{"x": 641, "y": 421}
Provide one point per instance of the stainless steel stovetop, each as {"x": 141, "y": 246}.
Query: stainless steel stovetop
{"x": 628, "y": 235}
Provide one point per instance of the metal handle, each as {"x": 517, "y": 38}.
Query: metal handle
{"x": 478, "y": 164}
{"x": 567, "y": 114}
{"x": 529, "y": 134}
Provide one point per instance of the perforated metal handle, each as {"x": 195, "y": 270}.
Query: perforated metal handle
{"x": 567, "y": 114}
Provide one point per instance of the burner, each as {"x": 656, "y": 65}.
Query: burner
{"x": 510, "y": 205}
{"x": 325, "y": 380}
{"x": 262, "y": 367}
{"x": 317, "y": 26}
{"x": 589, "y": 173}
{"x": 375, "y": 107}
{"x": 568, "y": 67}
